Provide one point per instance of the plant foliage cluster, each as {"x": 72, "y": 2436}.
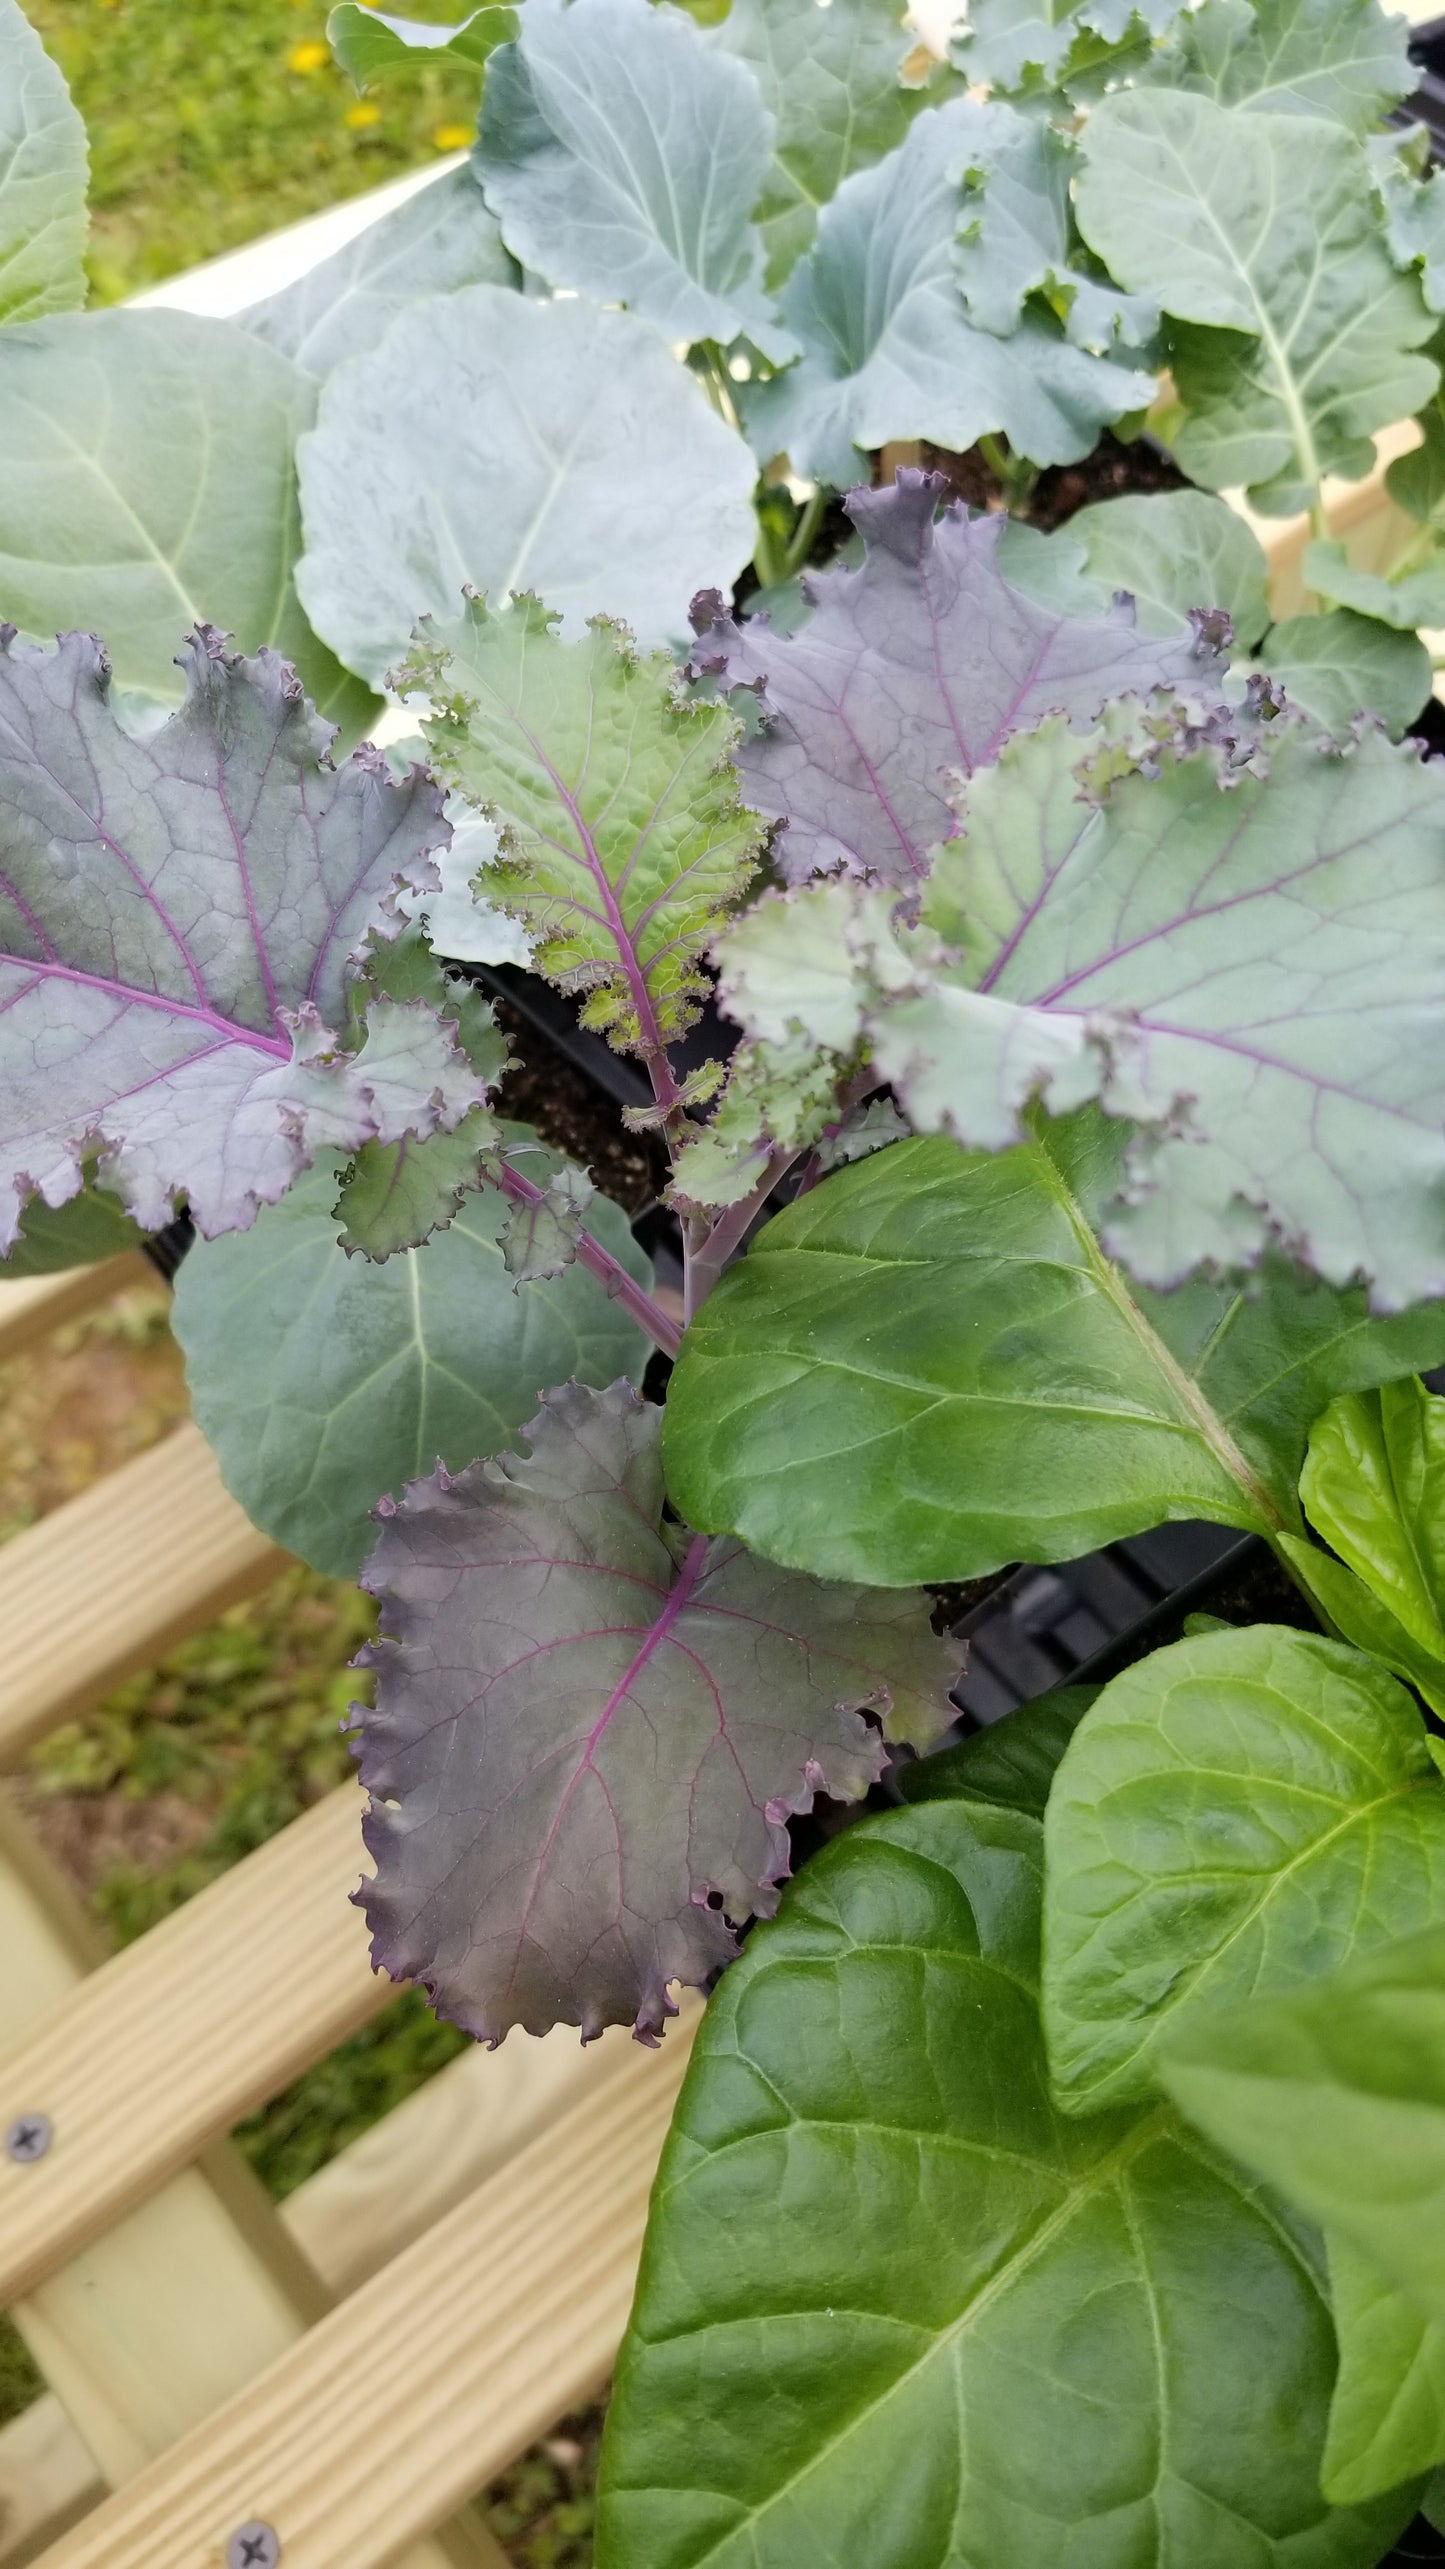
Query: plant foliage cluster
{"x": 1058, "y": 2174}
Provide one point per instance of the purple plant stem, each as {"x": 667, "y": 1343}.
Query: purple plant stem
{"x": 614, "y": 1279}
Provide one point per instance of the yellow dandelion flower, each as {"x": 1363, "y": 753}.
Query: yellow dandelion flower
{"x": 308, "y": 57}
{"x": 362, "y": 114}
{"x": 452, "y": 138}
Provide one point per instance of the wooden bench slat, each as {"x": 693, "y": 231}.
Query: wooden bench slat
{"x": 175, "y": 2039}
{"x": 107, "y": 1583}
{"x": 31, "y": 1306}
{"x": 432, "y": 2377}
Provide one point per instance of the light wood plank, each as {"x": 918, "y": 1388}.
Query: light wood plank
{"x": 47, "y": 2480}
{"x": 173, "y": 2040}
{"x": 31, "y": 1306}
{"x": 431, "y": 2378}
{"x": 107, "y": 1583}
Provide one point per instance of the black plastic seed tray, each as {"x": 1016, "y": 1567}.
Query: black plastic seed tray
{"x": 1426, "y": 105}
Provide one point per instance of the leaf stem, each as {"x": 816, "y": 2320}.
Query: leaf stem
{"x": 800, "y": 544}
{"x": 705, "y": 1262}
{"x": 613, "y": 1277}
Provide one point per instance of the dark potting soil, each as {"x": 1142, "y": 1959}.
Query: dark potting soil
{"x": 574, "y": 1116}
{"x": 1114, "y": 468}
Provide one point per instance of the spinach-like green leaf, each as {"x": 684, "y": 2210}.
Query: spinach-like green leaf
{"x": 622, "y": 155}
{"x": 439, "y": 240}
{"x": 1374, "y": 1486}
{"x": 43, "y": 170}
{"x": 830, "y": 80}
{"x": 928, "y": 1367}
{"x": 1337, "y": 666}
{"x": 325, "y": 1382}
{"x": 1345, "y": 59}
{"x": 888, "y": 349}
{"x": 1336, "y": 2094}
{"x": 516, "y": 445}
{"x": 1294, "y": 336}
{"x": 1013, "y": 1762}
{"x": 591, "y": 1726}
{"x": 368, "y": 43}
{"x": 149, "y": 486}
{"x": 1237, "y": 1813}
{"x": 624, "y": 844}
{"x": 1387, "y": 2417}
{"x": 894, "y": 2309}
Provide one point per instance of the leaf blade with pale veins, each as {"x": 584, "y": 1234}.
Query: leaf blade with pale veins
{"x": 1236, "y": 1814}
{"x": 623, "y": 1722}
{"x": 888, "y": 350}
{"x": 439, "y": 240}
{"x": 324, "y": 1382}
{"x": 150, "y": 485}
{"x": 44, "y": 166}
{"x": 1374, "y": 1486}
{"x": 894, "y": 2309}
{"x": 624, "y": 841}
{"x": 927, "y": 1368}
{"x": 1387, "y": 2417}
{"x": 622, "y": 156}
{"x": 1345, "y": 59}
{"x": 830, "y": 81}
{"x": 178, "y": 923}
{"x": 919, "y": 665}
{"x": 516, "y": 444}
{"x": 1294, "y": 336}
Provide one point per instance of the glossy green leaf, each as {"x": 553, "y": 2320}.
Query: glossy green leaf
{"x": 1432, "y": 2505}
{"x": 1345, "y": 59}
{"x": 439, "y": 240}
{"x": 1241, "y": 1812}
{"x": 1374, "y": 1486}
{"x": 622, "y": 155}
{"x": 895, "y": 2310}
{"x": 624, "y": 843}
{"x": 830, "y": 80}
{"x": 1359, "y": 1616}
{"x": 93, "y": 1225}
{"x": 43, "y": 172}
{"x": 1336, "y": 2094}
{"x": 325, "y": 1381}
{"x": 927, "y": 1367}
{"x": 1387, "y": 2417}
{"x": 888, "y": 349}
{"x": 1336, "y": 667}
{"x": 148, "y": 486}
{"x": 516, "y": 445}
{"x": 1295, "y": 337}
{"x": 368, "y": 43}
{"x": 1012, "y": 1762}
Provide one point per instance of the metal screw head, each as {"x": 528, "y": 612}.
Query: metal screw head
{"x": 253, "y": 2546}
{"x": 29, "y": 2137}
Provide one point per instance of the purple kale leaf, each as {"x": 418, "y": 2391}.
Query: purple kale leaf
{"x": 913, "y": 670}
{"x": 591, "y": 1726}
{"x": 180, "y": 926}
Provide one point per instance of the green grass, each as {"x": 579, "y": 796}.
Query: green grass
{"x": 212, "y": 121}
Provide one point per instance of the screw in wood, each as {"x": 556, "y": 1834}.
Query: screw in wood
{"x": 253, "y": 2546}
{"x": 28, "y": 2138}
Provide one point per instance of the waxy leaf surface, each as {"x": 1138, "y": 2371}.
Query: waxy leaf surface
{"x": 513, "y": 444}
{"x": 927, "y": 1367}
{"x": 624, "y": 844}
{"x": 91, "y": 1226}
{"x": 1344, "y": 59}
{"x": 43, "y": 170}
{"x": 1016, "y": 238}
{"x": 1247, "y": 962}
{"x": 178, "y": 923}
{"x": 911, "y": 670}
{"x": 622, "y": 155}
{"x": 324, "y": 1382}
{"x": 591, "y": 1726}
{"x": 1337, "y": 666}
{"x": 1236, "y": 1814}
{"x": 895, "y": 2309}
{"x": 1344, "y": 2076}
{"x": 1173, "y": 551}
{"x": 888, "y": 349}
{"x": 436, "y": 242}
{"x": 1295, "y": 337}
{"x": 830, "y": 80}
{"x": 149, "y": 485}
{"x": 1026, "y": 44}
